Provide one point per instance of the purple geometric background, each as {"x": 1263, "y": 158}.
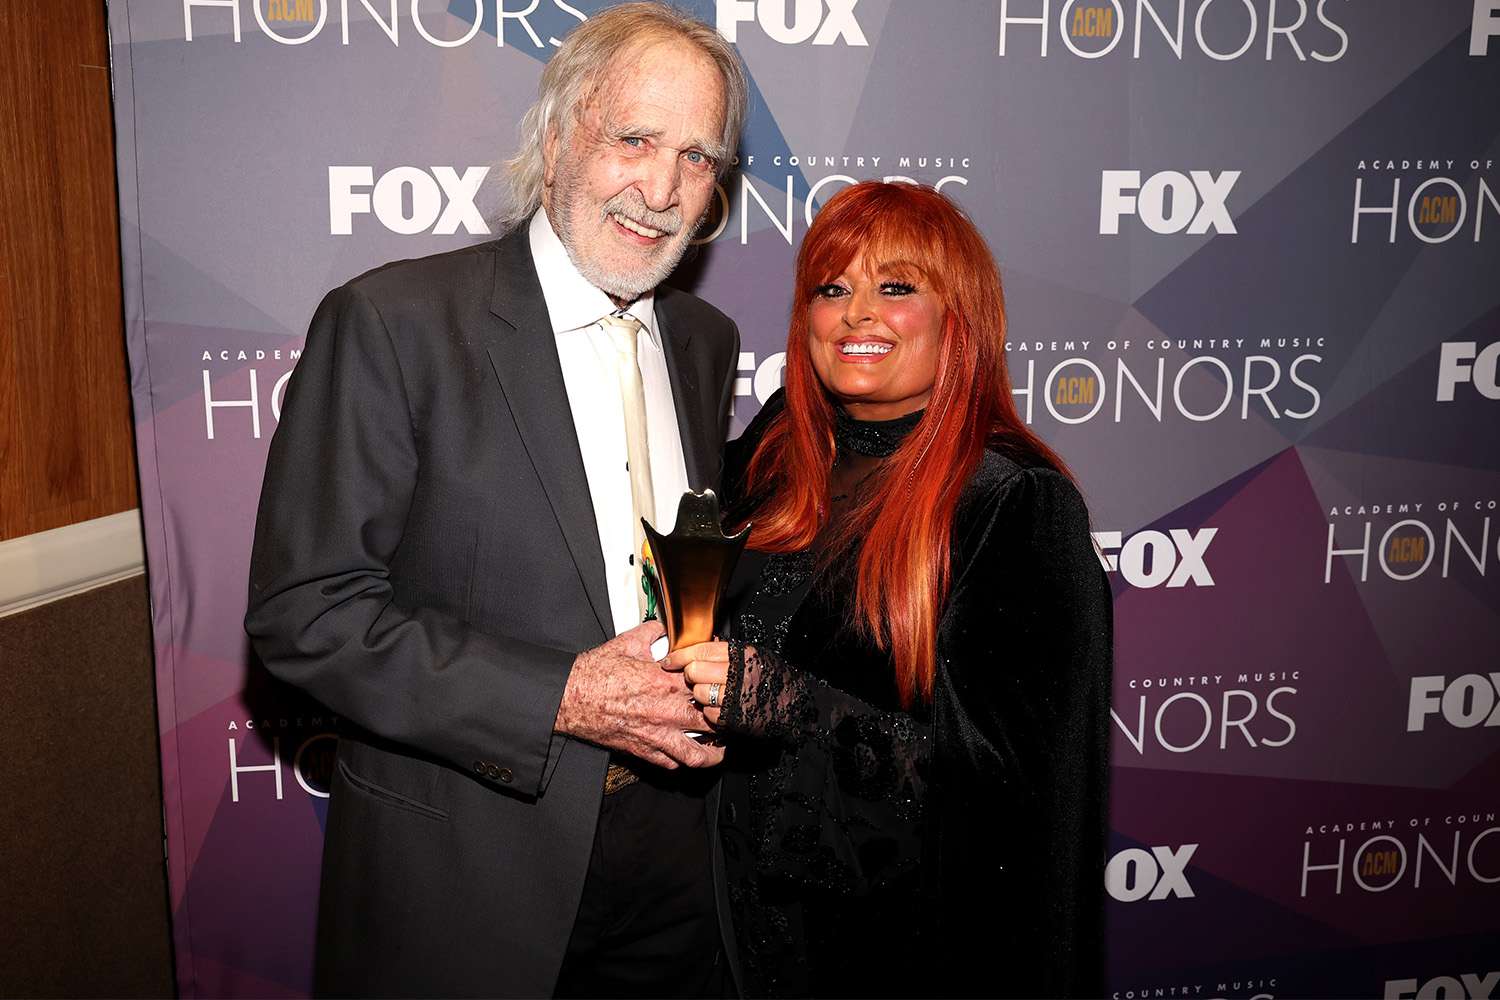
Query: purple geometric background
{"x": 1297, "y": 665}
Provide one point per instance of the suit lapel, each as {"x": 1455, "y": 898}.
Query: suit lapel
{"x": 693, "y": 422}
{"x": 523, "y": 354}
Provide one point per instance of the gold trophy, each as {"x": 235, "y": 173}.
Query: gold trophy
{"x": 691, "y": 567}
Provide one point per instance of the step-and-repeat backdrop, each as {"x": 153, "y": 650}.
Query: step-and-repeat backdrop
{"x": 1252, "y": 251}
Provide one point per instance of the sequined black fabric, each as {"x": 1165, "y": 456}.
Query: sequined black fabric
{"x": 953, "y": 849}
{"x": 786, "y": 572}
{"x": 875, "y": 438}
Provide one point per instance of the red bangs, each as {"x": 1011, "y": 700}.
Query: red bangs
{"x": 895, "y": 238}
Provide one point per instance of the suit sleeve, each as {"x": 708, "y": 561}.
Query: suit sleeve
{"x": 726, "y": 400}
{"x": 339, "y": 482}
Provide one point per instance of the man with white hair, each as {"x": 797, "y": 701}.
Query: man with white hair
{"x": 447, "y": 555}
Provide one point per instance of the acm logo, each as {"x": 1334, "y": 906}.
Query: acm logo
{"x": 291, "y": 10}
{"x": 792, "y": 22}
{"x": 1135, "y": 874}
{"x": 1167, "y": 202}
{"x": 406, "y": 200}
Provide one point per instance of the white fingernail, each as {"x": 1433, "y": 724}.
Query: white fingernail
{"x": 659, "y": 648}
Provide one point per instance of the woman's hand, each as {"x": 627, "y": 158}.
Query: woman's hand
{"x": 704, "y": 669}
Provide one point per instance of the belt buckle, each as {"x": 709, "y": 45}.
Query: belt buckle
{"x": 617, "y": 776}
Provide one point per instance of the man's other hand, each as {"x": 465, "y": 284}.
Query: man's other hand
{"x": 619, "y": 697}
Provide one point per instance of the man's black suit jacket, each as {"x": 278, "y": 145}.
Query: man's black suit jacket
{"x": 427, "y": 564}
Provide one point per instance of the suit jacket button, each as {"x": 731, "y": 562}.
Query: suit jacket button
{"x": 731, "y": 813}
{"x": 492, "y": 770}
{"x": 504, "y": 775}
{"x": 479, "y": 767}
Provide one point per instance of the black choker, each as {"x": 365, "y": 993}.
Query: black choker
{"x": 873, "y": 438}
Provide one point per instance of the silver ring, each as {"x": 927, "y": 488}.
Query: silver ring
{"x": 713, "y": 696}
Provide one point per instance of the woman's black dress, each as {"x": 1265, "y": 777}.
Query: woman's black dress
{"x": 956, "y": 848}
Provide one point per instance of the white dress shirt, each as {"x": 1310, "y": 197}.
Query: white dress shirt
{"x": 588, "y": 359}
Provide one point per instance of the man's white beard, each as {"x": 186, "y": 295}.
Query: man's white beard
{"x": 625, "y": 285}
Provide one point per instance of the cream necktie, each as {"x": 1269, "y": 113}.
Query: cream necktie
{"x": 625, "y": 330}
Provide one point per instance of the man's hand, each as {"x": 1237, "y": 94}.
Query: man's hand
{"x": 619, "y": 697}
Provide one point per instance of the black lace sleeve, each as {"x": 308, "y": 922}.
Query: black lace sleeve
{"x": 764, "y": 697}
{"x": 851, "y": 781}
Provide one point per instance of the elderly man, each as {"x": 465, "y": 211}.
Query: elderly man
{"x": 447, "y": 555}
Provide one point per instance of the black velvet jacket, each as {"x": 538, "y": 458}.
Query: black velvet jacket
{"x": 953, "y": 849}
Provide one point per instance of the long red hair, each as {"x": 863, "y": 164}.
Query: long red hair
{"x": 905, "y": 520}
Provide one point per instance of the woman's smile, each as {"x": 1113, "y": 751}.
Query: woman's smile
{"x": 864, "y": 351}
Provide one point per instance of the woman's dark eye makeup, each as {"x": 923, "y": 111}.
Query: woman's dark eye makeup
{"x": 833, "y": 291}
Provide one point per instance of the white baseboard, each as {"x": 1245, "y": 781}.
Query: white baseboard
{"x": 49, "y": 565}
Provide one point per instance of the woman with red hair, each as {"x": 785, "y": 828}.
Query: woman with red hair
{"x": 915, "y": 691}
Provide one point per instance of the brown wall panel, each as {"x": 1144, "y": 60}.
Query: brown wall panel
{"x": 66, "y": 450}
{"x": 83, "y": 890}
